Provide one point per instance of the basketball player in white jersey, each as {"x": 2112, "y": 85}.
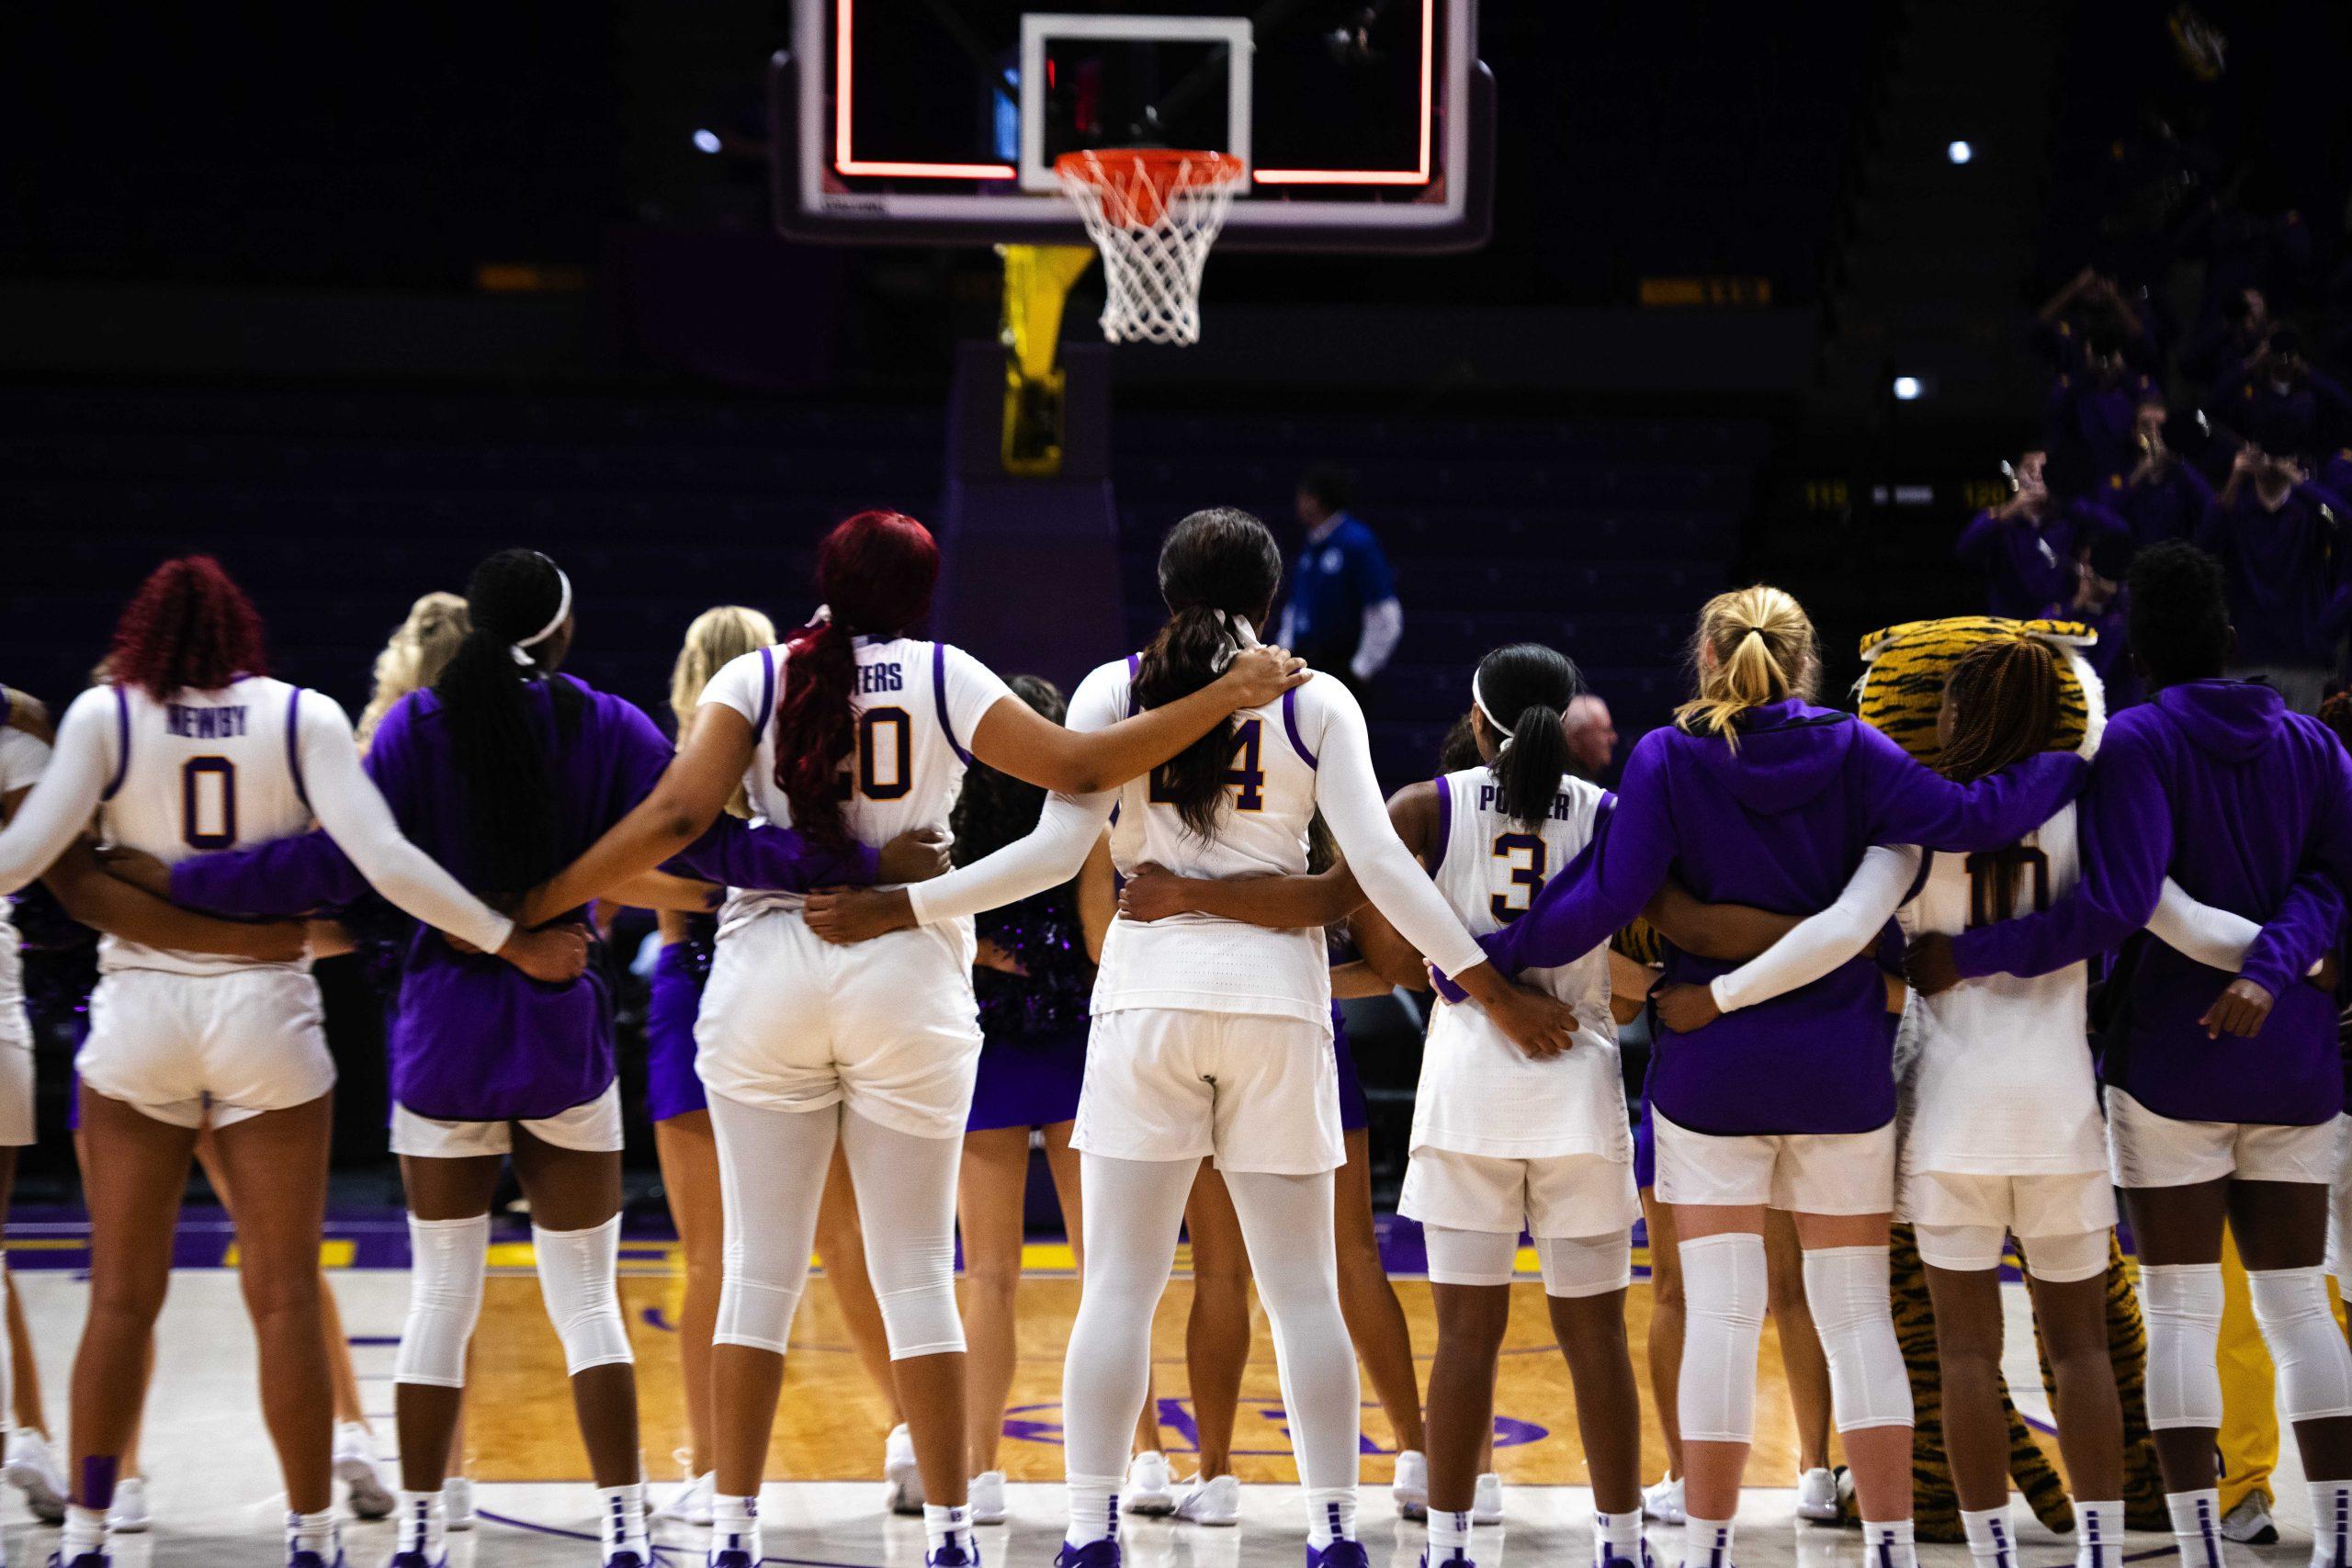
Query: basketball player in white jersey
{"x": 190, "y": 748}
{"x": 1212, "y": 1037}
{"x": 854, "y": 733}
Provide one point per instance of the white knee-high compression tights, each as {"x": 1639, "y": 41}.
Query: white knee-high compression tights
{"x": 772, "y": 1168}
{"x": 906, "y": 1204}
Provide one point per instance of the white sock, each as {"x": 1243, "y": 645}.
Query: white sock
{"x": 424, "y": 1524}
{"x": 1448, "y": 1535}
{"x": 1330, "y": 1516}
{"x": 620, "y": 1510}
{"x": 312, "y": 1532}
{"x": 2098, "y": 1535}
{"x": 1706, "y": 1544}
{"x": 1093, "y": 1509}
{"x": 1616, "y": 1536}
{"x": 2197, "y": 1526}
{"x": 86, "y": 1530}
{"x": 1990, "y": 1541}
{"x": 1890, "y": 1544}
{"x": 2331, "y": 1524}
{"x": 735, "y": 1524}
{"x": 947, "y": 1525}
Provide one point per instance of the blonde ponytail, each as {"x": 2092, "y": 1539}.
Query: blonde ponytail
{"x": 1753, "y": 646}
{"x": 716, "y": 638}
{"x": 420, "y": 648}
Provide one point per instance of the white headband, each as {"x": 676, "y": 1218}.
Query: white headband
{"x": 562, "y": 614}
{"x": 1479, "y": 698}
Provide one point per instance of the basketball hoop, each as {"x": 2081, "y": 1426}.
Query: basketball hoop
{"x": 1153, "y": 213}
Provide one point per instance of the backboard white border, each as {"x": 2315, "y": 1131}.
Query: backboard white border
{"x": 1013, "y": 213}
{"x": 1037, "y": 28}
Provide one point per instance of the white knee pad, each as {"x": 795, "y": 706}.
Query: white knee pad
{"x": 446, "y": 1260}
{"x": 1470, "y": 1258}
{"x": 1846, "y": 1288}
{"x": 2182, "y": 1303}
{"x": 2314, "y": 1363}
{"x": 1725, "y": 1286}
{"x": 2066, "y": 1259}
{"x": 1586, "y": 1265}
{"x": 914, "y": 1283}
{"x": 577, "y": 1281}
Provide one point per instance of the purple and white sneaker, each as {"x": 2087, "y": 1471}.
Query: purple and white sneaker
{"x": 1093, "y": 1555}
{"x": 1340, "y": 1553}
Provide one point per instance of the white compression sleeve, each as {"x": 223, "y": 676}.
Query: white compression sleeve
{"x": 2182, "y": 1303}
{"x": 1724, "y": 1291}
{"x": 1820, "y": 942}
{"x": 1133, "y": 1209}
{"x": 447, "y": 1260}
{"x": 1052, "y": 854}
{"x": 580, "y": 1284}
{"x": 1348, "y": 792}
{"x": 63, "y": 800}
{"x": 2215, "y": 938}
{"x": 906, "y": 1204}
{"x": 352, "y": 810}
{"x": 1846, "y": 1288}
{"x": 771, "y": 1178}
{"x": 1286, "y": 1222}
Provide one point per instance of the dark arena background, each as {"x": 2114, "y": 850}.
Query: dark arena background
{"x": 1592, "y": 311}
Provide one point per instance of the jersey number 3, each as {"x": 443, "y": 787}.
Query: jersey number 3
{"x": 1523, "y": 855}
{"x": 208, "y": 803}
{"x": 1246, "y": 778}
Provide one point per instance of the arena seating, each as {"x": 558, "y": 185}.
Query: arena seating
{"x": 1600, "y": 534}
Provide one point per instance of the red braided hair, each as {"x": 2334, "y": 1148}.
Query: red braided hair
{"x": 875, "y": 571}
{"x": 189, "y": 628}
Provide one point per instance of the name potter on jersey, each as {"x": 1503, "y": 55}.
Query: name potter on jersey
{"x": 204, "y": 724}
{"x": 1563, "y": 808}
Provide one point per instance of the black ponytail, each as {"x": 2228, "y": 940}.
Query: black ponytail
{"x": 1524, "y": 690}
{"x": 503, "y": 765}
{"x": 1213, "y": 565}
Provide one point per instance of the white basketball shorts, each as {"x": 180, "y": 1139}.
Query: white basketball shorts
{"x": 1259, "y": 1091}
{"x": 189, "y": 1049}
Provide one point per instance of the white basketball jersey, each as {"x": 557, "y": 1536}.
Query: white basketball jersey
{"x": 22, "y": 758}
{"x": 1199, "y": 962}
{"x": 1996, "y": 1076}
{"x": 205, "y": 771}
{"x": 1479, "y": 1094}
{"x": 916, "y": 705}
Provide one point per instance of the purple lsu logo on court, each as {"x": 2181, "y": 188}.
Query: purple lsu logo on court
{"x": 1041, "y": 1424}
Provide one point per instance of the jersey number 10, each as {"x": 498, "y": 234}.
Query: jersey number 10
{"x": 1246, "y": 778}
{"x": 1992, "y": 883}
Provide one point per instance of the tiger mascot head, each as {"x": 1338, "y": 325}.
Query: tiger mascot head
{"x": 1905, "y": 668}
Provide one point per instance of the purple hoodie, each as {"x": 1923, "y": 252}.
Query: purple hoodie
{"x": 2217, "y": 784}
{"x": 471, "y": 1037}
{"x": 1780, "y": 823}
{"x": 2031, "y": 567}
{"x": 2286, "y": 570}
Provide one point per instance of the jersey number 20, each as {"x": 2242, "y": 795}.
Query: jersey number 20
{"x": 884, "y": 756}
{"x": 1523, "y": 855}
{"x": 1246, "y": 778}
{"x": 208, "y": 803}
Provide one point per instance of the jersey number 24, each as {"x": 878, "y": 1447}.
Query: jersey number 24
{"x": 1246, "y": 778}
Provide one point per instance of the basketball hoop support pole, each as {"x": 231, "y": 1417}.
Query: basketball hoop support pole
{"x": 1037, "y": 280}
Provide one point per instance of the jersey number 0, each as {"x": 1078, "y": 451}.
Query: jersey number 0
{"x": 884, "y": 756}
{"x": 208, "y": 803}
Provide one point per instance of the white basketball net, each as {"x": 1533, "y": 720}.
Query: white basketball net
{"x": 1153, "y": 215}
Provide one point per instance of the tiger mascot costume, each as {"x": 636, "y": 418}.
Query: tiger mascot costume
{"x": 1901, "y": 686}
